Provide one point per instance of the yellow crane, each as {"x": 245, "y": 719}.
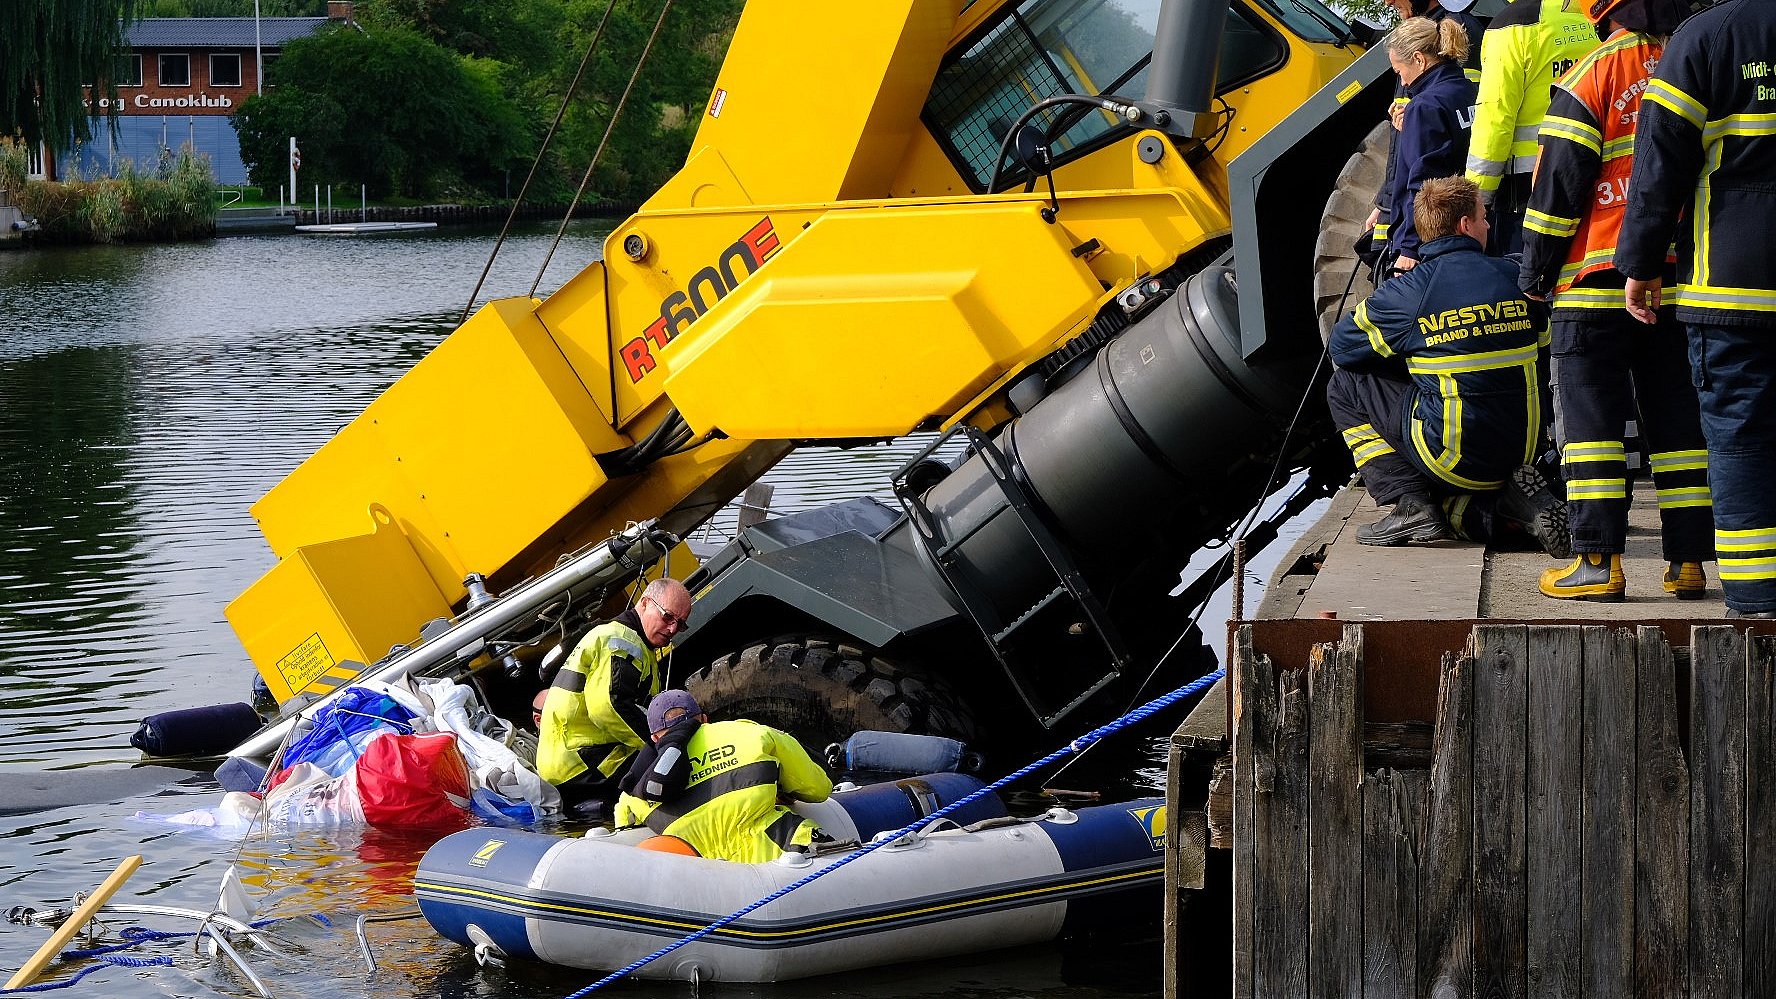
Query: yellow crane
{"x": 1084, "y": 236}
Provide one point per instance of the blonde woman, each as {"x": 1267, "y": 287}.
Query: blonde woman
{"x": 1434, "y": 129}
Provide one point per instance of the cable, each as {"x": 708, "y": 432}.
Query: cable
{"x": 560, "y": 112}
{"x": 598, "y": 154}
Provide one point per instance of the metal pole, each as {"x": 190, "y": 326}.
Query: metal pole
{"x": 292, "y": 171}
{"x": 363, "y": 202}
{"x": 317, "y": 202}
{"x": 258, "y": 54}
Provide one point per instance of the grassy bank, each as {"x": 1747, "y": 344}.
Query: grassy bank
{"x": 177, "y": 202}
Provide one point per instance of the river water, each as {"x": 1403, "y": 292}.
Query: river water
{"x": 148, "y": 395}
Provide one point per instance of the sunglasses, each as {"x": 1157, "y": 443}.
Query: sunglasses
{"x": 672, "y": 620}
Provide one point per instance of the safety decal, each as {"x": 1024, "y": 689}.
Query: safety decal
{"x": 1153, "y": 823}
{"x": 716, "y": 102}
{"x": 1351, "y": 89}
{"x": 484, "y": 855}
{"x": 303, "y": 664}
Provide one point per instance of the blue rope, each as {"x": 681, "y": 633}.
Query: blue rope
{"x": 1134, "y": 717}
{"x": 118, "y": 960}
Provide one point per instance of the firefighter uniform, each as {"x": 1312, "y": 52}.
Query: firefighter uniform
{"x": 1705, "y": 146}
{"x": 729, "y": 808}
{"x": 1470, "y": 70}
{"x": 1603, "y": 359}
{"x": 595, "y": 715}
{"x": 1467, "y": 411}
{"x": 1525, "y": 49}
{"x": 1432, "y": 141}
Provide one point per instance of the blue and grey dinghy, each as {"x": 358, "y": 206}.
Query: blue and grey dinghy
{"x": 978, "y": 879}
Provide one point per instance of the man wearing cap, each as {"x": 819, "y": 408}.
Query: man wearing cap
{"x": 594, "y": 716}
{"x": 721, "y": 792}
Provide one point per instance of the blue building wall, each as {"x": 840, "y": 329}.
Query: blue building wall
{"x": 140, "y": 138}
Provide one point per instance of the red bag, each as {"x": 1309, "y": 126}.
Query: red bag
{"x": 414, "y": 781}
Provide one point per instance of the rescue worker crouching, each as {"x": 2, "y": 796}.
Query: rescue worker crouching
{"x": 717, "y": 785}
{"x": 1609, "y": 369}
{"x": 594, "y": 717}
{"x": 1437, "y": 390}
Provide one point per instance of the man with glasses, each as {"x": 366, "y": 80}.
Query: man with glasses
{"x": 594, "y": 716}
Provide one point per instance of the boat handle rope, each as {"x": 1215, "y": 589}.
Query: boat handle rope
{"x": 1132, "y": 718}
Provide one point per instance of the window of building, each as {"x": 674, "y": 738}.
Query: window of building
{"x": 175, "y": 69}
{"x": 225, "y": 69}
{"x": 34, "y": 161}
{"x": 1042, "y": 48}
{"x": 129, "y": 70}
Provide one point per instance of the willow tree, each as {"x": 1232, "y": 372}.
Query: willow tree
{"x": 50, "y": 52}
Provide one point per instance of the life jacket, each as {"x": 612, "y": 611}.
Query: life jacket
{"x": 729, "y": 808}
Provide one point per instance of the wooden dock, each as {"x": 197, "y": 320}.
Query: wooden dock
{"x": 1472, "y": 805}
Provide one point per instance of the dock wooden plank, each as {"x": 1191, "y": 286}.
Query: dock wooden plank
{"x": 1662, "y": 829}
{"x": 1717, "y": 803}
{"x": 1500, "y": 764}
{"x": 1445, "y": 858}
{"x": 1334, "y": 828}
{"x": 1393, "y": 813}
{"x": 1253, "y": 709}
{"x": 1760, "y": 818}
{"x": 1280, "y": 947}
{"x": 1607, "y": 895}
{"x": 1556, "y": 698}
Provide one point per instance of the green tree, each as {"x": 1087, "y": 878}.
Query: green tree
{"x": 50, "y": 50}
{"x": 387, "y": 108}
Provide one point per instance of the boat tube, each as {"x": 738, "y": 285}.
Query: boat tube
{"x": 599, "y": 902}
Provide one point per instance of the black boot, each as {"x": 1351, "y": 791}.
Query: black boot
{"x": 1527, "y": 499}
{"x": 1414, "y": 520}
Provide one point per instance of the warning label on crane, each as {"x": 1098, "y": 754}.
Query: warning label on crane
{"x": 305, "y": 663}
{"x": 716, "y": 102}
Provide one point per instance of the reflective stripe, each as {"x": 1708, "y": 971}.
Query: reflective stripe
{"x": 570, "y": 678}
{"x": 1468, "y": 363}
{"x": 1618, "y": 147}
{"x": 1526, "y": 133}
{"x": 1572, "y": 130}
{"x": 622, "y": 644}
{"x": 1571, "y": 271}
{"x": 1583, "y": 451}
{"x": 1523, "y": 163}
{"x": 1678, "y": 461}
{"x": 1376, "y": 343}
{"x": 1473, "y": 75}
{"x": 1739, "y": 124}
{"x": 1683, "y": 496}
{"x": 1551, "y": 225}
{"x": 1596, "y": 489}
{"x": 1588, "y": 298}
{"x": 1747, "y": 568}
{"x": 1752, "y": 540}
{"x": 1381, "y": 230}
{"x": 1749, "y": 299}
{"x": 1480, "y": 166}
{"x": 1618, "y": 44}
{"x": 1358, "y": 434}
{"x": 1668, "y": 96}
{"x": 1442, "y": 466}
{"x": 1371, "y": 451}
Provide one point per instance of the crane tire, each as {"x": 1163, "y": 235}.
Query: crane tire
{"x": 821, "y": 690}
{"x": 1353, "y": 197}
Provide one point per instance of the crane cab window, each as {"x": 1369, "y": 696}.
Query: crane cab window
{"x": 1041, "y": 48}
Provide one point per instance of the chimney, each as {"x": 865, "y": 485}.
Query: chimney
{"x": 339, "y": 10}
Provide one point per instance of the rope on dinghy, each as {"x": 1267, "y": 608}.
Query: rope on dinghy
{"x": 1128, "y": 720}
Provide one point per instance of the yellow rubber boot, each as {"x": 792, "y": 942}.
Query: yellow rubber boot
{"x": 1591, "y": 576}
{"x": 1684, "y": 580}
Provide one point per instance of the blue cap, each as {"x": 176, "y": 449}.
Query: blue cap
{"x": 664, "y": 702}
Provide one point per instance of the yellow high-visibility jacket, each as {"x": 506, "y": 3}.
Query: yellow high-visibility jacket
{"x": 595, "y": 716}
{"x": 1529, "y": 45}
{"x": 729, "y": 808}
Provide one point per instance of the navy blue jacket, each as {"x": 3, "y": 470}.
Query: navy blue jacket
{"x": 1705, "y": 147}
{"x": 1469, "y": 341}
{"x": 1433, "y": 142}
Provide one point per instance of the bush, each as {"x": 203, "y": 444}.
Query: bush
{"x": 180, "y": 203}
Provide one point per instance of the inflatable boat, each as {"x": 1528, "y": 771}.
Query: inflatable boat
{"x": 989, "y": 881}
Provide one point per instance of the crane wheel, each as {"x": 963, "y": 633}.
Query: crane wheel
{"x": 821, "y": 690}
{"x": 1342, "y": 223}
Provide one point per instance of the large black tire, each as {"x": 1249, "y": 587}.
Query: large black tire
{"x": 821, "y": 691}
{"x": 1346, "y": 210}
